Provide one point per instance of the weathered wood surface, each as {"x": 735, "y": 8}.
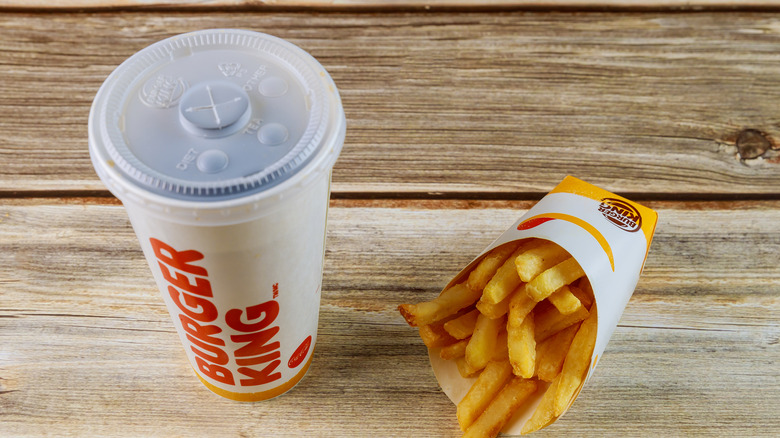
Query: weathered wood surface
{"x": 87, "y": 347}
{"x": 386, "y": 4}
{"x": 458, "y": 122}
{"x": 475, "y": 105}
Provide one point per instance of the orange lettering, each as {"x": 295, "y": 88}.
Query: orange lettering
{"x": 219, "y": 356}
{"x": 260, "y": 359}
{"x": 178, "y": 259}
{"x": 216, "y": 372}
{"x": 260, "y": 377}
{"x": 257, "y": 342}
{"x": 208, "y": 312}
{"x": 201, "y": 287}
{"x": 269, "y": 310}
{"x": 202, "y": 332}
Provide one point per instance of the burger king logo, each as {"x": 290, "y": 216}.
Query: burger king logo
{"x": 621, "y": 214}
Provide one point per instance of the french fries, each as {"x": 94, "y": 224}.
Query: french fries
{"x": 506, "y": 279}
{"x": 456, "y": 350}
{"x": 464, "y": 368}
{"x": 504, "y": 282}
{"x": 449, "y": 302}
{"x": 576, "y": 363}
{"x": 494, "y": 311}
{"x": 479, "y": 351}
{"x": 553, "y": 279}
{"x": 565, "y": 301}
{"x": 520, "y": 305}
{"x": 522, "y": 347}
{"x": 550, "y": 321}
{"x": 534, "y": 322}
{"x": 551, "y": 352}
{"x": 487, "y": 385}
{"x": 501, "y": 408}
{"x": 545, "y": 411}
{"x": 537, "y": 260}
{"x": 463, "y": 326}
{"x": 434, "y": 336}
{"x": 488, "y": 266}
{"x": 502, "y": 349}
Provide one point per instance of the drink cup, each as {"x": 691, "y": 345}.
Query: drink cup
{"x": 220, "y": 144}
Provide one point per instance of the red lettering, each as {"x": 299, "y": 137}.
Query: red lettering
{"x": 257, "y": 342}
{"x": 178, "y": 259}
{"x": 219, "y": 356}
{"x": 269, "y": 310}
{"x": 258, "y": 349}
{"x": 202, "y": 332}
{"x": 260, "y": 377}
{"x": 196, "y": 308}
{"x": 216, "y": 372}
{"x": 260, "y": 359}
{"x": 201, "y": 287}
{"x": 300, "y": 353}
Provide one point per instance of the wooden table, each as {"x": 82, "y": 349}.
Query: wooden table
{"x": 459, "y": 119}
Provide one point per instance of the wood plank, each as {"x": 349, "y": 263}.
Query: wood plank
{"x": 86, "y": 346}
{"x": 449, "y": 103}
{"x": 387, "y": 4}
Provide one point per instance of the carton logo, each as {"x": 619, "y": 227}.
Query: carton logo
{"x": 621, "y": 214}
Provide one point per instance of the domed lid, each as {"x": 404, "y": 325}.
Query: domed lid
{"x": 214, "y": 115}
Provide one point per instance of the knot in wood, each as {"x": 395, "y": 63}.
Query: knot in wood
{"x": 752, "y": 143}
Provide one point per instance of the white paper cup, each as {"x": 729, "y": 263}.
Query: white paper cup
{"x": 608, "y": 235}
{"x": 220, "y": 144}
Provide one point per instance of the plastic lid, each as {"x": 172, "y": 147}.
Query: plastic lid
{"x": 214, "y": 115}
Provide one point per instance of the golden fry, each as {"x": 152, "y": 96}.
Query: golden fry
{"x": 434, "y": 336}
{"x": 545, "y": 411}
{"x": 503, "y": 283}
{"x": 553, "y": 279}
{"x": 463, "y": 326}
{"x": 464, "y": 368}
{"x": 522, "y": 347}
{"x": 455, "y": 350}
{"x": 537, "y": 260}
{"x": 564, "y": 300}
{"x": 583, "y": 291}
{"x": 501, "y": 409}
{"x": 506, "y": 279}
{"x": 576, "y": 363}
{"x": 494, "y": 311}
{"x": 550, "y": 321}
{"x": 482, "y": 343}
{"x": 552, "y": 351}
{"x": 520, "y": 305}
{"x": 502, "y": 349}
{"x": 484, "y": 389}
{"x": 448, "y": 303}
{"x": 487, "y": 267}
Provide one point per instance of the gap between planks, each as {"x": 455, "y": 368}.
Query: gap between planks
{"x": 385, "y": 5}
{"x": 431, "y": 202}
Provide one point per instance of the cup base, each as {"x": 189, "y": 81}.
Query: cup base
{"x": 262, "y": 395}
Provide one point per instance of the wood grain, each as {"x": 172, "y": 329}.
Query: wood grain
{"x": 461, "y": 104}
{"x": 87, "y": 348}
{"x": 387, "y": 4}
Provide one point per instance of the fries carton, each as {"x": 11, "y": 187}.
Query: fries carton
{"x": 609, "y": 236}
